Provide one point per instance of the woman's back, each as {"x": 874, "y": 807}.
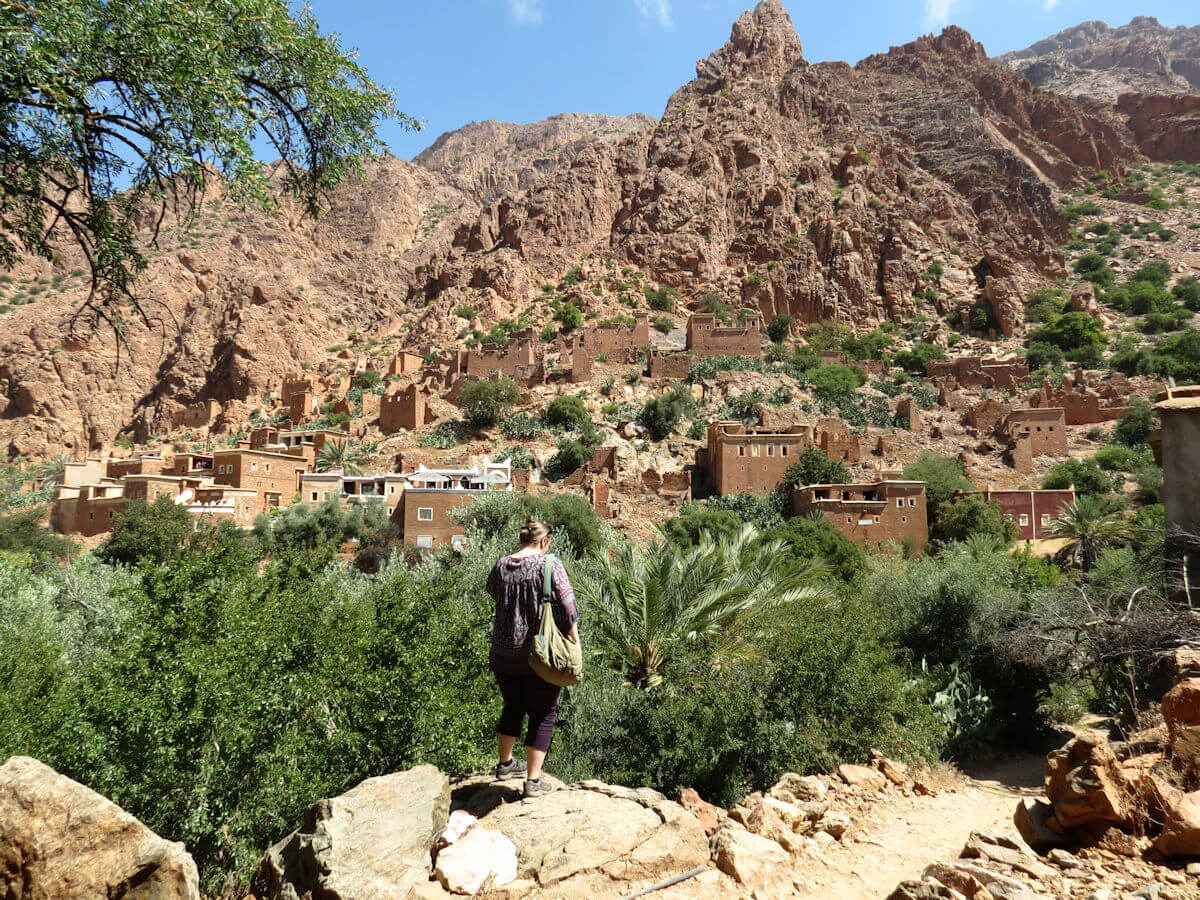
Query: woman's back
{"x": 515, "y": 583}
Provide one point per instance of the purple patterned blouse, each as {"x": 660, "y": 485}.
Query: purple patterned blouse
{"x": 516, "y": 586}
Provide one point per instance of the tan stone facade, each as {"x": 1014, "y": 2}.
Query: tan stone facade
{"x": 869, "y": 514}
{"x": 706, "y": 336}
{"x": 746, "y": 459}
{"x": 979, "y": 372}
{"x": 1032, "y": 433}
{"x": 274, "y": 477}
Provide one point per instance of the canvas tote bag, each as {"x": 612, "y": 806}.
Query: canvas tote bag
{"x": 554, "y": 656}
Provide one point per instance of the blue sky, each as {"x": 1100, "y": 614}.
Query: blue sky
{"x": 455, "y": 61}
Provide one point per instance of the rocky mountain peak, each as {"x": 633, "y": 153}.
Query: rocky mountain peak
{"x": 763, "y": 42}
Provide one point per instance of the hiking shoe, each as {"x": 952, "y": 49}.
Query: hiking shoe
{"x": 513, "y": 767}
{"x": 537, "y": 788}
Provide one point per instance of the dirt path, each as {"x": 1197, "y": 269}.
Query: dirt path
{"x": 899, "y": 836}
{"x": 895, "y": 837}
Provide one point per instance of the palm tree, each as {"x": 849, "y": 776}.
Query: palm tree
{"x": 646, "y": 604}
{"x": 1091, "y": 524}
{"x": 51, "y": 470}
{"x": 339, "y": 455}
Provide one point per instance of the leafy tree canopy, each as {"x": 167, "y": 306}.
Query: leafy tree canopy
{"x": 111, "y": 107}
{"x": 815, "y": 467}
{"x": 148, "y": 532}
{"x": 486, "y": 401}
{"x": 943, "y": 477}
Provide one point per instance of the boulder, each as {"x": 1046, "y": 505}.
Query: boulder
{"x": 835, "y": 823}
{"x": 1086, "y": 785}
{"x": 480, "y": 857}
{"x": 802, "y": 787}
{"x": 862, "y": 776}
{"x": 1035, "y": 822}
{"x": 371, "y": 843}
{"x": 1181, "y": 710}
{"x": 923, "y": 890}
{"x": 750, "y": 859}
{"x": 710, "y": 816}
{"x": 59, "y": 838}
{"x": 1180, "y": 835}
{"x": 595, "y": 830}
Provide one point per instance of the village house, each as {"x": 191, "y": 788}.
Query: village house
{"x": 405, "y": 408}
{"x": 1032, "y": 510}
{"x": 386, "y": 489}
{"x": 1177, "y": 449}
{"x": 869, "y": 514}
{"x": 275, "y": 477}
{"x": 707, "y": 336}
{"x": 1086, "y": 400}
{"x": 752, "y": 459}
{"x": 1032, "y": 433}
{"x": 429, "y": 496}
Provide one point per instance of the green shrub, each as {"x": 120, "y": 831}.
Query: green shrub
{"x": 1070, "y": 331}
{"x": 22, "y": 533}
{"x": 808, "y": 539}
{"x": 572, "y": 455}
{"x": 662, "y": 298}
{"x": 660, "y": 415}
{"x": 445, "y": 436}
{"x": 518, "y": 456}
{"x": 943, "y": 477}
{"x": 780, "y": 327}
{"x": 569, "y": 316}
{"x": 914, "y": 360}
{"x": 367, "y": 379}
{"x": 1084, "y": 474}
{"x": 961, "y": 518}
{"x": 486, "y": 401}
{"x": 465, "y": 312}
{"x": 833, "y": 383}
{"x": 1135, "y": 427}
{"x": 566, "y": 411}
{"x": 521, "y": 426}
{"x": 814, "y": 466}
{"x": 663, "y": 324}
{"x": 148, "y": 532}
{"x": 871, "y": 345}
{"x": 1115, "y": 458}
{"x": 576, "y": 527}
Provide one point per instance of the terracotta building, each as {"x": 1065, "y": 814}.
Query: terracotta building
{"x": 405, "y": 408}
{"x": 978, "y": 372}
{"x": 87, "y": 509}
{"x": 1177, "y": 448}
{"x": 742, "y": 459}
{"x": 706, "y": 336}
{"x": 1032, "y": 433}
{"x": 117, "y": 469}
{"x": 275, "y": 477}
{"x": 869, "y": 514}
{"x": 430, "y": 495}
{"x": 1032, "y": 510}
{"x": 666, "y": 364}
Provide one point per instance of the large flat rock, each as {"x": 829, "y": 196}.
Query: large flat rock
{"x": 60, "y": 839}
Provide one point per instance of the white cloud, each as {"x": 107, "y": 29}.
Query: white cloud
{"x": 1050, "y": 4}
{"x": 938, "y": 12}
{"x": 527, "y": 12}
{"x": 656, "y": 10}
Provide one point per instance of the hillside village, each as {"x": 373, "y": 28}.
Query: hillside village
{"x": 861, "y": 402}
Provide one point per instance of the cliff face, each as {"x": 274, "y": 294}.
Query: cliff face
{"x": 1095, "y": 61}
{"x": 824, "y": 191}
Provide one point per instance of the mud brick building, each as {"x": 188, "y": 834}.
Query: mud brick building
{"x": 117, "y": 469}
{"x": 665, "y": 364}
{"x": 1177, "y": 450}
{"x": 87, "y": 509}
{"x": 274, "y": 477}
{"x": 430, "y": 495}
{"x": 1034, "y": 432}
{"x": 1086, "y": 400}
{"x": 387, "y": 489}
{"x": 299, "y": 397}
{"x": 405, "y": 408}
{"x": 979, "y": 372}
{"x": 196, "y": 415}
{"x": 620, "y": 341}
{"x": 706, "y": 336}
{"x": 1031, "y": 510}
{"x": 869, "y": 514}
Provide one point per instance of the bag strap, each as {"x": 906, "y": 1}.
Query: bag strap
{"x": 548, "y": 579}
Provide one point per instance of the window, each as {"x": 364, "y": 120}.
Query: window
{"x": 1024, "y": 520}
{"x": 267, "y": 467}
{"x": 424, "y": 513}
{"x": 754, "y": 450}
{"x": 770, "y": 449}
{"x": 741, "y": 451}
{"x": 425, "y": 541}
{"x": 314, "y": 495}
{"x": 783, "y": 449}
{"x": 253, "y": 467}
{"x": 900, "y": 503}
{"x": 91, "y": 515}
{"x": 912, "y": 501}
{"x": 391, "y": 489}
{"x": 904, "y": 519}
{"x": 849, "y": 520}
{"x": 1045, "y": 520}
{"x": 458, "y": 541}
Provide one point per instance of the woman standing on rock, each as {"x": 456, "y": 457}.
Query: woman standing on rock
{"x": 515, "y": 583}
